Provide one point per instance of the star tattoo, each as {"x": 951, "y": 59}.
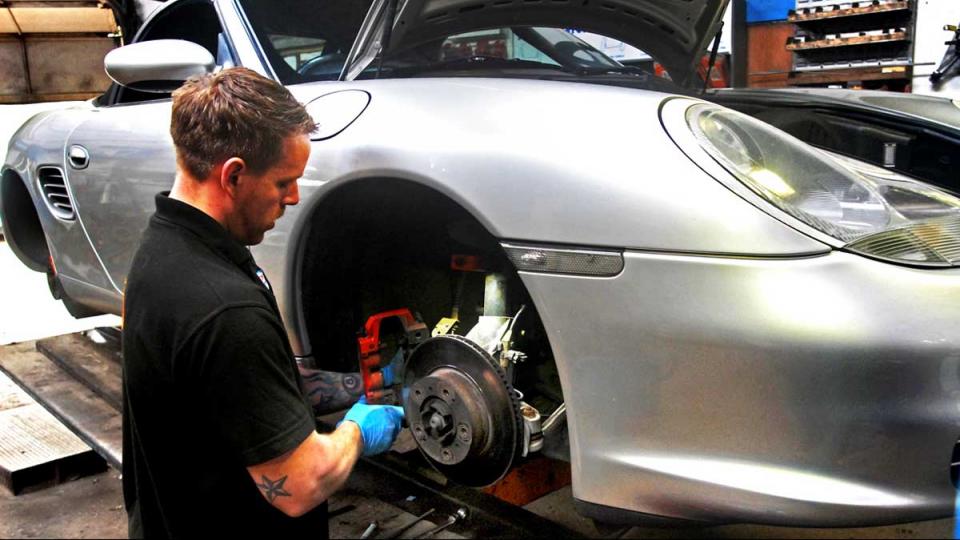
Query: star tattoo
{"x": 273, "y": 489}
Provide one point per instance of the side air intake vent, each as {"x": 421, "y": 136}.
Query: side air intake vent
{"x": 54, "y": 188}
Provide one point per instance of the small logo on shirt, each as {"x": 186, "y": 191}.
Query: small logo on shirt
{"x": 263, "y": 278}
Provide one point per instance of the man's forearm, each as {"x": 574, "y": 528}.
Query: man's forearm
{"x": 345, "y": 445}
{"x": 299, "y": 480}
{"x": 330, "y": 391}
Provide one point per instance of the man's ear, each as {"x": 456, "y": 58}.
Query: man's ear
{"x": 230, "y": 174}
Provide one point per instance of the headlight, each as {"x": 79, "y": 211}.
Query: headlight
{"x": 870, "y": 210}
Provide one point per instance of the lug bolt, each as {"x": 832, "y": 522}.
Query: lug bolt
{"x": 463, "y": 432}
{"x": 446, "y": 455}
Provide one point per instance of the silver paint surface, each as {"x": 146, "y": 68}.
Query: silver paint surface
{"x": 817, "y": 391}
{"x": 167, "y": 60}
{"x": 131, "y": 160}
{"x": 41, "y": 142}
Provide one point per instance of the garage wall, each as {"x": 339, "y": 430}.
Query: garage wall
{"x": 929, "y": 46}
{"x": 768, "y": 61}
{"x": 54, "y": 51}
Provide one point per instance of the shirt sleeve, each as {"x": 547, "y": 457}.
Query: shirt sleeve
{"x": 245, "y": 383}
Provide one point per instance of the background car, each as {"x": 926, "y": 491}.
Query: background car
{"x": 710, "y": 319}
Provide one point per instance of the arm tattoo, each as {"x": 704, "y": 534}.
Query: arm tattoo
{"x": 273, "y": 488}
{"x": 329, "y": 391}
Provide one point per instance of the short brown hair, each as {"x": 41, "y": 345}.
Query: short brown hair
{"x": 234, "y": 112}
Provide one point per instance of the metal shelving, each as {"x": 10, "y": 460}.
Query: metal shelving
{"x": 849, "y": 42}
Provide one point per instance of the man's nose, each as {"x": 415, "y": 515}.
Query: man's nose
{"x": 293, "y": 195}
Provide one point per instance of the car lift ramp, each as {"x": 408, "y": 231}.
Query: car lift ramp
{"x": 70, "y": 398}
{"x": 79, "y": 381}
{"x": 36, "y": 450}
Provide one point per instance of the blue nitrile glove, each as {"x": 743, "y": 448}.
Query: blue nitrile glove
{"x": 379, "y": 425}
{"x": 391, "y": 371}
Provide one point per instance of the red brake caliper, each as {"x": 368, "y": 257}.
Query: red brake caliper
{"x": 372, "y": 359}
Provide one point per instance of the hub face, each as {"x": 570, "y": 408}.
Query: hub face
{"x": 451, "y": 424}
{"x": 463, "y": 414}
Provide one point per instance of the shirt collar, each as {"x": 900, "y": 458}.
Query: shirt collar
{"x": 207, "y": 229}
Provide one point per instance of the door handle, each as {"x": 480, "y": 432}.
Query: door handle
{"x": 78, "y": 157}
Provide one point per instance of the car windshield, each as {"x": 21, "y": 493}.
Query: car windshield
{"x": 307, "y": 41}
{"x": 499, "y": 51}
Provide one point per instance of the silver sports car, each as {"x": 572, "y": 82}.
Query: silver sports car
{"x": 710, "y": 319}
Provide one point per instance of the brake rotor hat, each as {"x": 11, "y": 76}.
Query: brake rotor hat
{"x": 464, "y": 415}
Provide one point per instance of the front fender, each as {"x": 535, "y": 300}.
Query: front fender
{"x": 534, "y": 161}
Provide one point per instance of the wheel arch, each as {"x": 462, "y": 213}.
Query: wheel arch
{"x": 364, "y": 205}
{"x": 21, "y": 222}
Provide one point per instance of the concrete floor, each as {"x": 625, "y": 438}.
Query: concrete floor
{"x": 92, "y": 507}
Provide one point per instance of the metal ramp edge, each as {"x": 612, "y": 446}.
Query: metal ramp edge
{"x": 82, "y": 410}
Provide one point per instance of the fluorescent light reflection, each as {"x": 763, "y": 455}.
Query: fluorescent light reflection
{"x": 807, "y": 305}
{"x": 769, "y": 480}
{"x": 772, "y": 182}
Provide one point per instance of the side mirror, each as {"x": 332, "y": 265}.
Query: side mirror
{"x": 158, "y": 66}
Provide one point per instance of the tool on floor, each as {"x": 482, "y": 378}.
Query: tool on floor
{"x": 372, "y": 528}
{"x": 405, "y": 528}
{"x": 458, "y": 516}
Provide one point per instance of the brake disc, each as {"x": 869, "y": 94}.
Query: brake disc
{"x": 463, "y": 413}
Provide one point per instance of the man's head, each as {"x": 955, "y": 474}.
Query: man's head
{"x": 242, "y": 142}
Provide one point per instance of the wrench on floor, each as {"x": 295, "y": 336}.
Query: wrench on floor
{"x": 403, "y": 529}
{"x": 458, "y": 516}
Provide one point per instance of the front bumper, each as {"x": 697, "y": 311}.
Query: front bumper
{"x": 820, "y": 391}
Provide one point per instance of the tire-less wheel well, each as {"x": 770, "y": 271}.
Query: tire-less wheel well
{"x": 21, "y": 223}
{"x": 383, "y": 244}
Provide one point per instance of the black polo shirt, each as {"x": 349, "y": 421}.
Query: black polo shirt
{"x": 210, "y": 385}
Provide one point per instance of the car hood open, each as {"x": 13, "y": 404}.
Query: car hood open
{"x": 675, "y": 32}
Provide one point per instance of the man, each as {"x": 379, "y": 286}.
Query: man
{"x": 218, "y": 436}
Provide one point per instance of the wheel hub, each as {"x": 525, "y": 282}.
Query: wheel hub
{"x": 463, "y": 414}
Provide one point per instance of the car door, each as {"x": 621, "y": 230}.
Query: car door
{"x": 122, "y": 155}
{"x": 117, "y": 161}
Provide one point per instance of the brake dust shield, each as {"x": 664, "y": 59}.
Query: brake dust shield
{"x": 463, "y": 413}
